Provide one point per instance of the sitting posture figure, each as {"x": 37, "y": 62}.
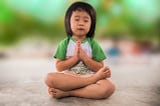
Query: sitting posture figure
{"x": 79, "y": 59}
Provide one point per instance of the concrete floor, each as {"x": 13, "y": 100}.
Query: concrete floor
{"x": 137, "y": 83}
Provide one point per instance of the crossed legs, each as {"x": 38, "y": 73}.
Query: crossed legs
{"x": 94, "y": 86}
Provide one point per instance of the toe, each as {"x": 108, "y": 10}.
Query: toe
{"x": 54, "y": 91}
{"x": 50, "y": 89}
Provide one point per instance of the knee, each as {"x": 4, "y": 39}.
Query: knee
{"x": 107, "y": 90}
{"x": 48, "y": 79}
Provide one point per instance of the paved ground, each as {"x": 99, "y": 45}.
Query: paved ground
{"x": 137, "y": 82}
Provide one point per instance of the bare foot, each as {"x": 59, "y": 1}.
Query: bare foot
{"x": 56, "y": 93}
{"x": 50, "y": 91}
{"x": 59, "y": 93}
{"x": 102, "y": 73}
{"x": 108, "y": 72}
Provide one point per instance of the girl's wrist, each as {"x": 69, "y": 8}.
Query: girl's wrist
{"x": 85, "y": 57}
{"x": 75, "y": 58}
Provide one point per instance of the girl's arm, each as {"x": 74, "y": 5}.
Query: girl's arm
{"x": 92, "y": 64}
{"x": 62, "y": 65}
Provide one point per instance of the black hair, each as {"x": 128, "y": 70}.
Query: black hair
{"x": 85, "y": 7}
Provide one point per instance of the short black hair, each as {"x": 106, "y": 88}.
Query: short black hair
{"x": 85, "y": 7}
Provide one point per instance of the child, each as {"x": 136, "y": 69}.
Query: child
{"x": 79, "y": 59}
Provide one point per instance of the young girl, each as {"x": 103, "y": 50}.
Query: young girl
{"x": 79, "y": 59}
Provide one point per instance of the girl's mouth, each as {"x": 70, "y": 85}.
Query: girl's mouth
{"x": 80, "y": 29}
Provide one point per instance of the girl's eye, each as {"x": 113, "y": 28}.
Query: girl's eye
{"x": 85, "y": 20}
{"x": 76, "y": 19}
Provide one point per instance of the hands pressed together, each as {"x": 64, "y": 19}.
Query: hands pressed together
{"x": 81, "y": 56}
{"x": 79, "y": 53}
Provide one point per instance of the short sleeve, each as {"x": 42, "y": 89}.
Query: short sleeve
{"x": 61, "y": 49}
{"x": 97, "y": 52}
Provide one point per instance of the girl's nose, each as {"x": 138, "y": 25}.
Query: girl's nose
{"x": 81, "y": 23}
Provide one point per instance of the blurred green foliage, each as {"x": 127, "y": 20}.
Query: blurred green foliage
{"x": 20, "y": 19}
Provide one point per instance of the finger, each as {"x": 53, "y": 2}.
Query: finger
{"x": 107, "y": 67}
{"x": 107, "y": 71}
{"x": 103, "y": 68}
{"x": 108, "y": 74}
{"x": 109, "y": 77}
{"x": 79, "y": 48}
{"x": 78, "y": 42}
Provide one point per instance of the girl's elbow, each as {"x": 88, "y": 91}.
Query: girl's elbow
{"x": 59, "y": 69}
{"x": 100, "y": 66}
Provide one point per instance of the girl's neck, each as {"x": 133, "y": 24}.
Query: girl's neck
{"x": 79, "y": 38}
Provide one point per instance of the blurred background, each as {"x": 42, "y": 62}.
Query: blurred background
{"x": 127, "y": 30}
{"x": 32, "y": 28}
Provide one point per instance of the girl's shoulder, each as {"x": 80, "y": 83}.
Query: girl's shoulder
{"x": 65, "y": 41}
{"x": 92, "y": 41}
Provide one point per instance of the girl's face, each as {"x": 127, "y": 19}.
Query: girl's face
{"x": 80, "y": 23}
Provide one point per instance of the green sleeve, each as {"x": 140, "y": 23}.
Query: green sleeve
{"x": 97, "y": 52}
{"x": 61, "y": 50}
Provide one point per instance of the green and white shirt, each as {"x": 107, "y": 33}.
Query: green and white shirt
{"x": 66, "y": 50}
